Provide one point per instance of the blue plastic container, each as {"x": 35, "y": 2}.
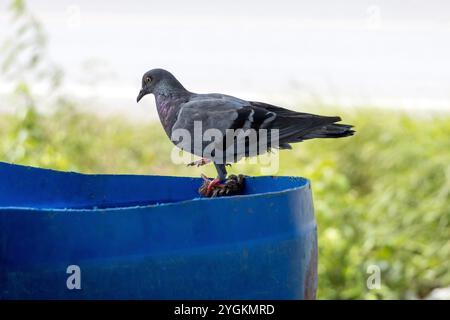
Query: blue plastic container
{"x": 152, "y": 237}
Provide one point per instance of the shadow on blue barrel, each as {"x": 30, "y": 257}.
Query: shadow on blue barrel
{"x": 152, "y": 237}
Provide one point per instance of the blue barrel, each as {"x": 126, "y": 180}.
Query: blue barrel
{"x": 153, "y": 237}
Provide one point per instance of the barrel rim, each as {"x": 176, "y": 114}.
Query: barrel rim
{"x": 305, "y": 183}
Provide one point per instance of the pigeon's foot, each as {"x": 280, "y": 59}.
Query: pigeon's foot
{"x": 213, "y": 188}
{"x": 198, "y": 163}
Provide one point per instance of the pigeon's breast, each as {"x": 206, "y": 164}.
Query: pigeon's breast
{"x": 167, "y": 112}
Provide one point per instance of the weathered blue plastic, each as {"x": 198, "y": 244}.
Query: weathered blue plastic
{"x": 152, "y": 237}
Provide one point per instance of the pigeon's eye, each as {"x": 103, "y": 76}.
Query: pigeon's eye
{"x": 148, "y": 79}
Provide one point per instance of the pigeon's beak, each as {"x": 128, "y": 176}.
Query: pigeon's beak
{"x": 140, "y": 95}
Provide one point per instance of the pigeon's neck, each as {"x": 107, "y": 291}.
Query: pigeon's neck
{"x": 168, "y": 105}
{"x": 173, "y": 99}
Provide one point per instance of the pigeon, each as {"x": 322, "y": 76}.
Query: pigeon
{"x": 181, "y": 110}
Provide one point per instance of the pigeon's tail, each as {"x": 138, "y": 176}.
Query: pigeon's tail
{"x": 334, "y": 130}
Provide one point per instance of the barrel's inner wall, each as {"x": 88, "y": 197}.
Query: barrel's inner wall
{"x": 28, "y": 187}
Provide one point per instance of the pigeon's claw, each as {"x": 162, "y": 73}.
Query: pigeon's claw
{"x": 209, "y": 187}
{"x": 213, "y": 188}
{"x": 198, "y": 163}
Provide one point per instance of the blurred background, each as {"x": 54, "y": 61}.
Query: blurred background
{"x": 71, "y": 71}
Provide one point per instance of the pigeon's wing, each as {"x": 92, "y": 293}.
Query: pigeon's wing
{"x": 220, "y": 112}
{"x": 295, "y": 126}
{"x": 210, "y": 112}
{"x": 206, "y": 116}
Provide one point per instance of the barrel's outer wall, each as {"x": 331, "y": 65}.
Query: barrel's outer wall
{"x": 259, "y": 246}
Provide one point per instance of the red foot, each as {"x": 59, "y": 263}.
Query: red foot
{"x": 212, "y": 184}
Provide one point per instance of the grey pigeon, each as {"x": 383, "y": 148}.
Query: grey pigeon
{"x": 179, "y": 108}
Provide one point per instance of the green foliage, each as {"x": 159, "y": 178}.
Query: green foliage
{"x": 24, "y": 59}
{"x": 381, "y": 197}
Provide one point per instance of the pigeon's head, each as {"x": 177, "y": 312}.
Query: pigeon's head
{"x": 159, "y": 81}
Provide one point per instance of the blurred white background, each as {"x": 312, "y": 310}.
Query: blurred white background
{"x": 348, "y": 53}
